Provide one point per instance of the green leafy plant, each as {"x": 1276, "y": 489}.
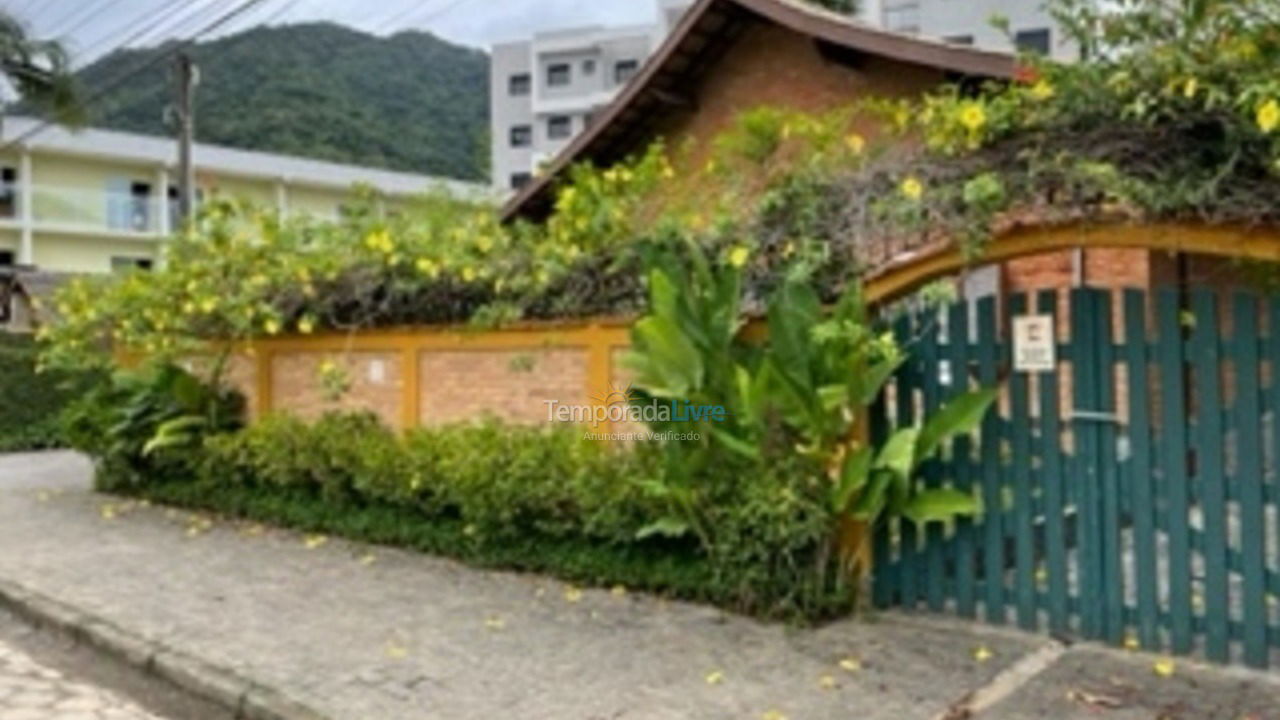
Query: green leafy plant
{"x": 798, "y": 395}
{"x": 149, "y": 421}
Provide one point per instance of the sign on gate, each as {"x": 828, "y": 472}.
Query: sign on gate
{"x": 1033, "y": 344}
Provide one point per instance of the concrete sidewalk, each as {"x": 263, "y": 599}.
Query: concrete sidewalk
{"x": 289, "y": 626}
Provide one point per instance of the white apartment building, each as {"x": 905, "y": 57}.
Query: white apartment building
{"x": 95, "y": 200}
{"x": 968, "y": 22}
{"x": 545, "y": 90}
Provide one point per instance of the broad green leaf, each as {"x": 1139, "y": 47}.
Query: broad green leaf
{"x": 669, "y": 527}
{"x": 871, "y": 501}
{"x": 939, "y": 505}
{"x": 959, "y": 415}
{"x": 736, "y": 444}
{"x": 666, "y": 363}
{"x": 853, "y": 478}
{"x": 899, "y": 454}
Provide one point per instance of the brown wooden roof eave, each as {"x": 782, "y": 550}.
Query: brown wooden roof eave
{"x": 599, "y": 141}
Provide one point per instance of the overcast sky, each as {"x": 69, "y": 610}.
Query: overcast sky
{"x": 90, "y": 27}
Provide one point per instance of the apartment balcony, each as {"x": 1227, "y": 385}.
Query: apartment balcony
{"x": 91, "y": 211}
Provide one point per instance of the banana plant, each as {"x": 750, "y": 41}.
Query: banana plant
{"x": 875, "y": 482}
{"x": 805, "y": 387}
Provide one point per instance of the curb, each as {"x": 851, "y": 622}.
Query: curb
{"x": 244, "y": 698}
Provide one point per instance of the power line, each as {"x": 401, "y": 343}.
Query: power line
{"x": 108, "y": 45}
{"x": 404, "y": 16}
{"x": 222, "y": 20}
{"x": 83, "y": 20}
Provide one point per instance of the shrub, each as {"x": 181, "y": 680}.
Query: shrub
{"x": 32, "y": 400}
{"x": 536, "y": 498}
{"x": 150, "y": 422}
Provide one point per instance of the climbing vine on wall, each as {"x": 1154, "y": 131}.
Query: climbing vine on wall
{"x": 1175, "y": 115}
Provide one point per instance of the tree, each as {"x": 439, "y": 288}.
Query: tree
{"x": 40, "y": 72}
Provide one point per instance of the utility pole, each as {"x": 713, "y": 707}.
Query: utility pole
{"x": 186, "y": 113}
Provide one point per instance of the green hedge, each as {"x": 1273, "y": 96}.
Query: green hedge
{"x": 500, "y": 496}
{"x": 31, "y": 402}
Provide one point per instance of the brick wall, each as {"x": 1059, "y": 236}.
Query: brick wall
{"x": 513, "y": 385}
{"x": 375, "y": 384}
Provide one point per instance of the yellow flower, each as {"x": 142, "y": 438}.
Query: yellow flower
{"x": 1268, "y": 116}
{"x": 982, "y": 654}
{"x": 855, "y": 142}
{"x": 1189, "y": 88}
{"x": 715, "y": 677}
{"x": 468, "y": 274}
{"x": 739, "y": 256}
{"x": 379, "y": 240}
{"x": 1164, "y": 667}
{"x": 972, "y": 116}
{"x": 851, "y": 664}
{"x": 306, "y": 324}
{"x": 484, "y": 243}
{"x": 271, "y": 326}
{"x": 827, "y": 682}
{"x": 314, "y": 541}
{"x": 912, "y": 188}
{"x": 428, "y": 267}
{"x": 1042, "y": 90}
{"x": 572, "y": 594}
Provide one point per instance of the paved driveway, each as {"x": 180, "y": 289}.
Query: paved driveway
{"x": 372, "y": 633}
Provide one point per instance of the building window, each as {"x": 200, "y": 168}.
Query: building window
{"x": 559, "y": 75}
{"x": 122, "y": 264}
{"x": 519, "y": 84}
{"x": 559, "y": 127}
{"x": 8, "y": 192}
{"x": 624, "y": 70}
{"x": 588, "y": 67}
{"x": 959, "y": 39}
{"x": 521, "y": 136}
{"x": 1036, "y": 41}
{"x": 6, "y": 258}
{"x": 520, "y": 179}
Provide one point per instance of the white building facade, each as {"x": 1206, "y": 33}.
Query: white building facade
{"x": 98, "y": 200}
{"x": 545, "y": 90}
{"x": 968, "y": 22}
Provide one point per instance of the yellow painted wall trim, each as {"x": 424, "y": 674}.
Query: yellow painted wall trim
{"x": 931, "y": 263}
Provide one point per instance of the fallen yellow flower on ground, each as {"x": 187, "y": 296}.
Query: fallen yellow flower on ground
{"x": 1164, "y": 667}
{"x": 314, "y": 541}
{"x": 715, "y": 677}
{"x": 851, "y": 664}
{"x": 982, "y": 653}
{"x": 572, "y": 594}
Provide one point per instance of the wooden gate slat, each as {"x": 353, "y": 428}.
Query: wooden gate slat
{"x": 1209, "y": 472}
{"x": 1248, "y": 414}
{"x": 1173, "y": 463}
{"x": 931, "y": 476}
{"x": 1085, "y": 392}
{"x": 1020, "y": 435}
{"x": 1052, "y": 476}
{"x": 993, "y": 535}
{"x": 1140, "y": 480}
{"x": 1111, "y": 571}
{"x": 962, "y": 454}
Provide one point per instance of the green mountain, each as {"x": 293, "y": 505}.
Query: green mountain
{"x": 409, "y": 102}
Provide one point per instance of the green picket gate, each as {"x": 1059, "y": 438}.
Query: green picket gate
{"x": 1130, "y": 495}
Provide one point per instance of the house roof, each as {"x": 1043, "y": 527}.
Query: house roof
{"x": 704, "y": 33}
